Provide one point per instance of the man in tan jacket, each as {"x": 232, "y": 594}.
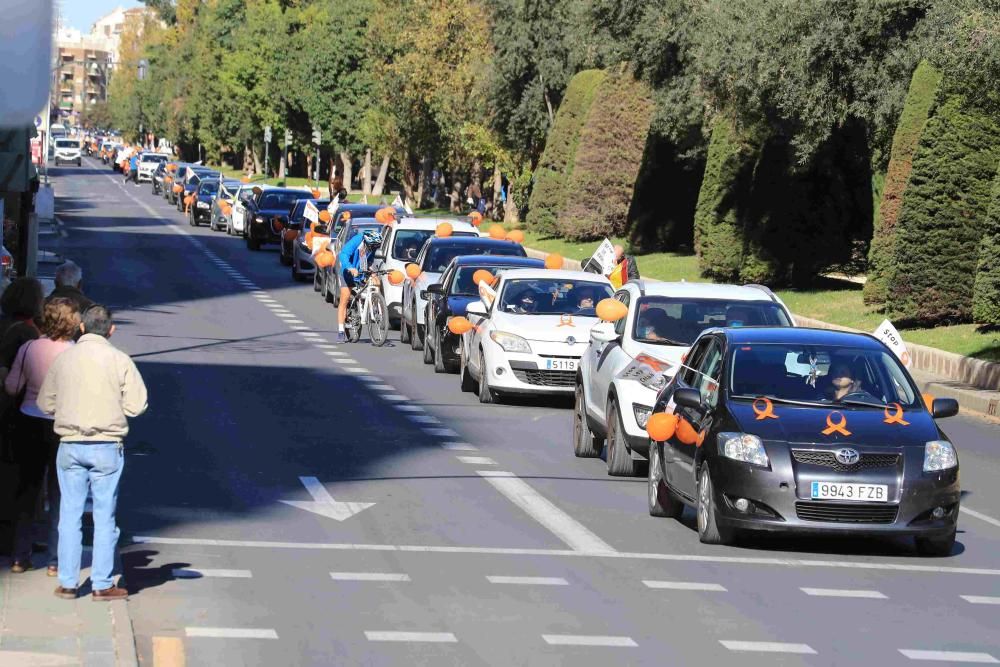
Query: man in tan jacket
{"x": 91, "y": 390}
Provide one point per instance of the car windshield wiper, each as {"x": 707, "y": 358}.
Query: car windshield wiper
{"x": 664, "y": 341}
{"x": 787, "y": 401}
{"x": 860, "y": 402}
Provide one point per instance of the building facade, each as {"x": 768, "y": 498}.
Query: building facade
{"x": 80, "y": 77}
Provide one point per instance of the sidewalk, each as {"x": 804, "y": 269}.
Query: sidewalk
{"x": 39, "y": 629}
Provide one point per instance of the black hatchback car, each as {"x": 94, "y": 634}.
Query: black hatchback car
{"x": 204, "y": 196}
{"x": 449, "y": 298}
{"x": 803, "y": 431}
{"x": 267, "y": 214}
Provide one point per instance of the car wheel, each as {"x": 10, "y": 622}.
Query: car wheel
{"x": 936, "y": 546}
{"x": 439, "y": 365}
{"x": 585, "y": 443}
{"x": 332, "y": 289}
{"x": 620, "y": 461}
{"x": 662, "y": 501}
{"x": 486, "y": 395}
{"x": 709, "y": 530}
{"x": 252, "y": 243}
{"x": 404, "y": 331}
{"x": 284, "y": 258}
{"x": 467, "y": 383}
{"x": 428, "y": 350}
{"x": 296, "y": 276}
{"x": 416, "y": 342}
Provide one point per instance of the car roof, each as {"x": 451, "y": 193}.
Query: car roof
{"x": 498, "y": 260}
{"x": 458, "y": 224}
{"x": 166, "y": 155}
{"x": 700, "y": 290}
{"x": 558, "y": 274}
{"x": 292, "y": 191}
{"x": 797, "y": 336}
{"x": 465, "y": 240}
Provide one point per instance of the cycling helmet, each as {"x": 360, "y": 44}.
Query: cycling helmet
{"x": 372, "y": 238}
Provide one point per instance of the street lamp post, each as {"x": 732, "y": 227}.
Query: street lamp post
{"x": 141, "y": 70}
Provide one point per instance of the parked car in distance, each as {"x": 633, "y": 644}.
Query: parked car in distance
{"x": 201, "y": 212}
{"x": 242, "y": 195}
{"x": 265, "y": 209}
{"x": 330, "y": 277}
{"x": 67, "y": 150}
{"x": 148, "y": 162}
{"x": 218, "y": 220}
{"x": 803, "y": 431}
{"x": 294, "y": 252}
{"x": 343, "y": 214}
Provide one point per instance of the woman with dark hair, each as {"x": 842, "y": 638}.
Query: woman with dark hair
{"x": 20, "y": 307}
{"x": 34, "y": 439}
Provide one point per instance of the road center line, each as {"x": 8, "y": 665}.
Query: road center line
{"x": 980, "y": 599}
{"x": 477, "y": 460}
{"x": 541, "y": 509}
{"x": 394, "y": 636}
{"x": 459, "y": 447}
{"x": 683, "y": 586}
{"x": 589, "y": 640}
{"x": 527, "y": 581}
{"x": 842, "y": 593}
{"x": 768, "y": 647}
{"x": 949, "y": 656}
{"x": 232, "y": 633}
{"x": 198, "y": 573}
{"x": 368, "y": 576}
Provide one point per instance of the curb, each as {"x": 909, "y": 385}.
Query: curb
{"x": 123, "y": 635}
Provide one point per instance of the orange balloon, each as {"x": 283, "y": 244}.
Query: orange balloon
{"x": 315, "y": 193}
{"x": 396, "y": 277}
{"x": 177, "y": 189}
{"x": 685, "y": 432}
{"x": 290, "y": 235}
{"x": 386, "y": 215}
{"x": 661, "y": 426}
{"x": 481, "y": 275}
{"x": 515, "y": 235}
{"x": 611, "y": 310}
{"x": 324, "y": 259}
{"x": 553, "y": 261}
{"x": 188, "y": 200}
{"x": 168, "y": 179}
{"x": 498, "y": 232}
{"x": 324, "y": 216}
{"x": 459, "y": 325}
{"x": 413, "y": 270}
{"x": 171, "y": 167}
{"x": 309, "y": 239}
{"x": 476, "y": 218}
{"x": 346, "y": 216}
{"x": 245, "y": 179}
{"x": 443, "y": 230}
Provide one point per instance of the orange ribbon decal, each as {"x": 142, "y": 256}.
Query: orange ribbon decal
{"x": 839, "y": 427}
{"x": 896, "y": 417}
{"x": 565, "y": 320}
{"x": 767, "y": 412}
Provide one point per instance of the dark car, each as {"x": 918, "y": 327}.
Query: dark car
{"x": 803, "y": 431}
{"x": 174, "y": 176}
{"x": 298, "y": 223}
{"x": 449, "y": 297}
{"x": 218, "y": 220}
{"x": 204, "y": 197}
{"x": 330, "y": 277}
{"x": 191, "y": 182}
{"x": 433, "y": 259}
{"x": 343, "y": 214}
{"x": 267, "y": 213}
{"x": 157, "y": 178}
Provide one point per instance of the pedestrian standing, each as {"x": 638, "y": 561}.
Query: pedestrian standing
{"x": 20, "y": 307}
{"x": 91, "y": 390}
{"x": 34, "y": 441}
{"x": 631, "y": 267}
{"x": 69, "y": 281}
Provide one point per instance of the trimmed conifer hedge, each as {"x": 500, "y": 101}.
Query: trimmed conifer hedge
{"x": 986, "y": 292}
{"x": 549, "y": 193}
{"x": 941, "y": 223}
{"x": 608, "y": 157}
{"x": 912, "y": 121}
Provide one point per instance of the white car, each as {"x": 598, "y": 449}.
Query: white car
{"x": 401, "y": 247}
{"x": 239, "y": 214}
{"x": 433, "y": 260}
{"x": 628, "y": 361}
{"x": 67, "y": 150}
{"x": 529, "y": 340}
{"x": 148, "y": 162}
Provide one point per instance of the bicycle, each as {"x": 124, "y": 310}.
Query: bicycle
{"x": 367, "y": 306}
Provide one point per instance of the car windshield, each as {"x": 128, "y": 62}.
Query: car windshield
{"x": 154, "y": 158}
{"x": 408, "y": 242}
{"x": 279, "y": 200}
{"x": 298, "y": 213}
{"x": 827, "y": 375}
{"x": 67, "y": 143}
{"x": 674, "y": 321}
{"x": 439, "y": 256}
{"x": 552, "y": 296}
{"x": 354, "y": 230}
{"x": 209, "y": 187}
{"x": 463, "y": 283}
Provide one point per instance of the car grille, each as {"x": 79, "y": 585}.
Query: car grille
{"x": 546, "y": 378}
{"x": 828, "y": 460}
{"x": 845, "y": 513}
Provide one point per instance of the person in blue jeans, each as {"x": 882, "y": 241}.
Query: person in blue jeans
{"x": 354, "y": 259}
{"x": 91, "y": 390}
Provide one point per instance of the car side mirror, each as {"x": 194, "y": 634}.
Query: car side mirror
{"x": 944, "y": 407}
{"x": 436, "y": 288}
{"x": 687, "y": 397}
{"x": 476, "y": 308}
{"x": 379, "y": 256}
{"x": 603, "y": 332}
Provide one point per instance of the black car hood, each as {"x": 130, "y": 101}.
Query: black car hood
{"x": 867, "y": 426}
{"x": 271, "y": 212}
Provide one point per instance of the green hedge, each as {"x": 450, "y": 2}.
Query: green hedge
{"x": 602, "y": 183}
{"x": 549, "y": 193}
{"x": 941, "y": 223}
{"x": 912, "y": 120}
{"x": 986, "y": 292}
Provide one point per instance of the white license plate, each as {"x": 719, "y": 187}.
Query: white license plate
{"x": 871, "y": 493}
{"x": 560, "y": 364}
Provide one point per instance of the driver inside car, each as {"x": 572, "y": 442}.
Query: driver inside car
{"x": 842, "y": 382}
{"x": 525, "y": 302}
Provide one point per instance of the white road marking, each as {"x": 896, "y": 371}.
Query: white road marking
{"x": 527, "y": 581}
{"x": 394, "y": 397}
{"x": 477, "y": 460}
{"x": 371, "y": 378}
{"x": 357, "y": 370}
{"x": 322, "y": 502}
{"x": 683, "y": 586}
{"x": 331, "y": 353}
{"x": 979, "y": 515}
{"x": 541, "y": 509}
{"x": 949, "y": 656}
{"x": 768, "y": 647}
{"x": 368, "y": 576}
{"x": 842, "y": 593}
{"x": 410, "y": 408}
{"x": 346, "y": 360}
{"x": 459, "y": 447}
{"x": 309, "y": 334}
{"x": 517, "y": 551}
{"x": 326, "y": 346}
{"x": 589, "y": 640}
{"x": 441, "y": 432}
{"x": 302, "y": 328}
{"x": 424, "y": 419}
{"x": 198, "y": 572}
{"x": 232, "y": 633}
{"x": 393, "y": 636}
{"x": 382, "y": 387}
{"x": 980, "y": 599}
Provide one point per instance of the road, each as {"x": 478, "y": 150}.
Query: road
{"x": 287, "y": 501}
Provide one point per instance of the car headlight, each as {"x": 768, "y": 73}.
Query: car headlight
{"x": 259, "y": 219}
{"x": 203, "y": 204}
{"x": 642, "y": 413}
{"x": 510, "y": 342}
{"x": 939, "y": 455}
{"x": 743, "y": 447}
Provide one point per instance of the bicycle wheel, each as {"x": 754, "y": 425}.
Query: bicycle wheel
{"x": 378, "y": 319}
{"x": 353, "y": 324}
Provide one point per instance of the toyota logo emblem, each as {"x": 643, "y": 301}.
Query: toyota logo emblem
{"x": 847, "y": 456}
{"x": 570, "y": 340}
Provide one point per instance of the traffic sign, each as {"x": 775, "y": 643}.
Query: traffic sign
{"x": 267, "y": 134}
{"x": 288, "y": 137}
{"x": 317, "y": 136}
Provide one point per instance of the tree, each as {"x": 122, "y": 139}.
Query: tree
{"x": 986, "y": 290}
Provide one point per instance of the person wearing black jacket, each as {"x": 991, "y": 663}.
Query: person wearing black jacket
{"x": 68, "y": 279}
{"x": 631, "y": 266}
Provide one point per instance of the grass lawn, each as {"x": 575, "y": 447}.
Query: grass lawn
{"x": 835, "y": 301}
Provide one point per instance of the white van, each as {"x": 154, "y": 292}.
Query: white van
{"x": 67, "y": 150}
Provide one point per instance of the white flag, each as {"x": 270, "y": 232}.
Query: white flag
{"x": 887, "y": 333}
{"x": 487, "y": 293}
{"x": 311, "y": 213}
{"x": 604, "y": 257}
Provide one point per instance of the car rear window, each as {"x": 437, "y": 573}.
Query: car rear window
{"x": 279, "y": 200}
{"x": 67, "y": 143}
{"x": 463, "y": 284}
{"x": 439, "y": 256}
{"x": 154, "y": 158}
{"x": 408, "y": 242}
{"x": 209, "y": 187}
{"x": 675, "y": 321}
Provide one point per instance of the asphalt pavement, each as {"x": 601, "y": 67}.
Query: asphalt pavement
{"x": 288, "y": 501}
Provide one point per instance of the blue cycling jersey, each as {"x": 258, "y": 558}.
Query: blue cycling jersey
{"x": 350, "y": 254}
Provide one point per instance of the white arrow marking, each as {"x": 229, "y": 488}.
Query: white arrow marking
{"x": 324, "y": 504}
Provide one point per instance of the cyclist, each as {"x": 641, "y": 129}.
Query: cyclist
{"x": 354, "y": 259}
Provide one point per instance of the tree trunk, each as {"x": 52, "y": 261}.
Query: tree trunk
{"x": 281, "y": 168}
{"x": 346, "y": 158}
{"x": 330, "y": 183}
{"x": 497, "y": 186}
{"x": 257, "y": 169}
{"x": 425, "y": 178}
{"x": 383, "y": 171}
{"x": 366, "y": 173}
{"x": 411, "y": 177}
{"x": 247, "y": 160}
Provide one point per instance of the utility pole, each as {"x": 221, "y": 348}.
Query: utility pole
{"x": 284, "y": 155}
{"x": 267, "y": 146}
{"x": 317, "y": 139}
